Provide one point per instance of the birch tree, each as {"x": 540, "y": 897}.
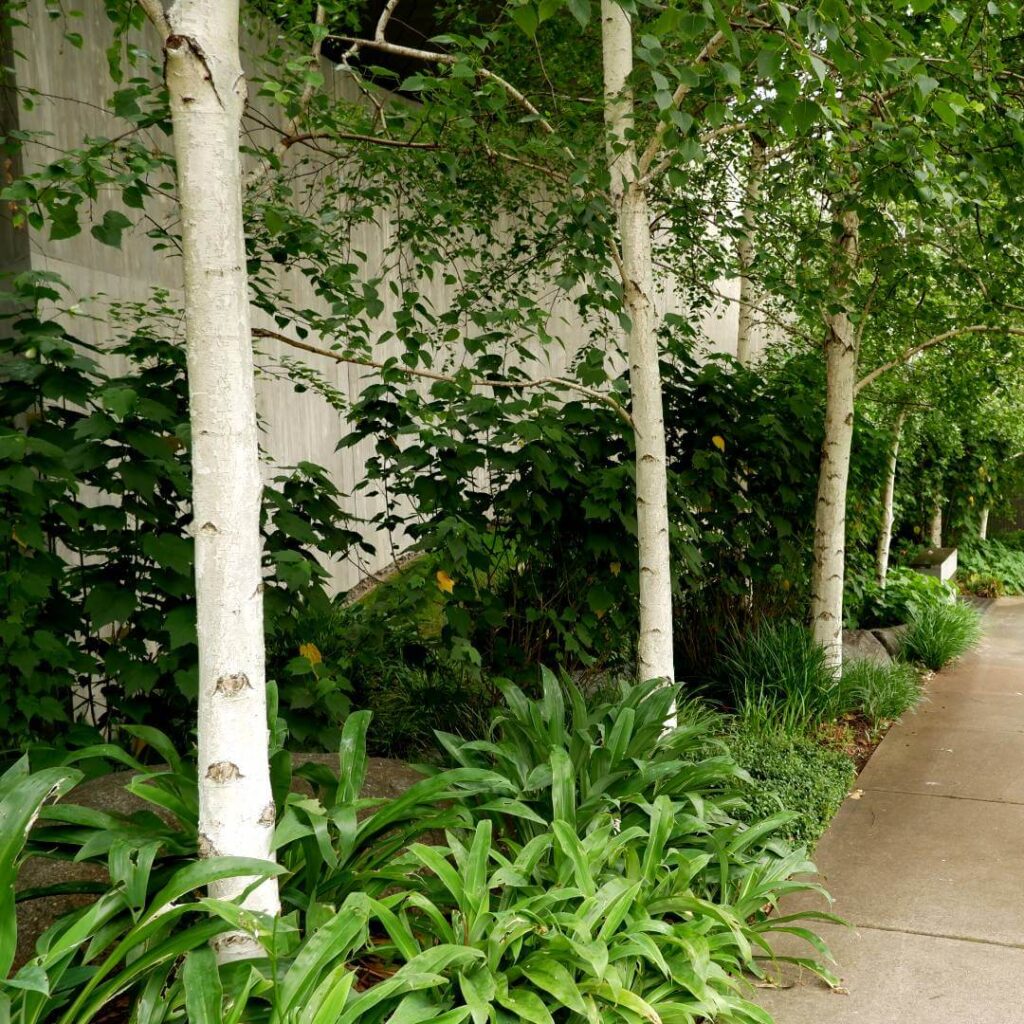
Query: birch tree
{"x": 629, "y": 198}
{"x": 888, "y": 501}
{"x": 206, "y": 86}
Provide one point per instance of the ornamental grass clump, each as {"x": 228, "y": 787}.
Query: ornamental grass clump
{"x": 881, "y": 692}
{"x": 940, "y": 634}
{"x": 780, "y": 680}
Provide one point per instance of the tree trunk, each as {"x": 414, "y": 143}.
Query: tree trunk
{"x": 630, "y": 198}
{"x": 842, "y": 342}
{"x": 983, "y": 524}
{"x": 888, "y": 493}
{"x": 207, "y": 95}
{"x": 935, "y": 526}
{"x": 745, "y": 251}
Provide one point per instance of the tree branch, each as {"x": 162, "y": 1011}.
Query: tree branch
{"x": 287, "y": 141}
{"x": 477, "y": 382}
{"x": 713, "y": 45}
{"x": 432, "y": 57}
{"x": 938, "y": 339}
{"x": 154, "y": 10}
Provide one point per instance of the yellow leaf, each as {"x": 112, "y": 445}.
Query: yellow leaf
{"x": 311, "y": 653}
{"x": 444, "y": 581}
{"x": 970, "y": 499}
{"x": 719, "y": 442}
{"x": 616, "y": 568}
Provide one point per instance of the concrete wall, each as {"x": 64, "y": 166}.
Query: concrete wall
{"x": 71, "y": 91}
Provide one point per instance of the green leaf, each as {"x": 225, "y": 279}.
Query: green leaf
{"x": 527, "y": 18}
{"x": 580, "y": 10}
{"x": 111, "y": 228}
{"x": 204, "y": 995}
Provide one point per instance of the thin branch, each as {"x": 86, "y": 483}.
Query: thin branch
{"x": 433, "y": 57}
{"x": 713, "y": 45}
{"x": 314, "y": 62}
{"x": 938, "y": 339}
{"x": 288, "y": 141}
{"x": 477, "y": 382}
{"x": 385, "y": 17}
{"x": 154, "y": 10}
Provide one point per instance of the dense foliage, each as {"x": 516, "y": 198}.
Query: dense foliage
{"x": 591, "y": 868}
{"x": 792, "y": 773}
{"x": 96, "y": 592}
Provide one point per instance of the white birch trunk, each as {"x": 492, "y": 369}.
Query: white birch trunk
{"x": 630, "y": 198}
{"x": 841, "y": 353}
{"x": 745, "y": 252}
{"x": 983, "y": 524}
{"x": 207, "y": 94}
{"x": 935, "y": 526}
{"x": 888, "y": 495}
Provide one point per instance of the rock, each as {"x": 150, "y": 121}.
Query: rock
{"x": 384, "y": 778}
{"x": 891, "y": 638}
{"x": 863, "y": 644}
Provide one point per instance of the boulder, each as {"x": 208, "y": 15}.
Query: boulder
{"x": 863, "y": 644}
{"x": 385, "y": 777}
{"x": 891, "y": 638}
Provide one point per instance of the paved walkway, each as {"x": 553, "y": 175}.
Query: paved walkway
{"x": 928, "y": 864}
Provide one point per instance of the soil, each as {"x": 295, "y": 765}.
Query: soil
{"x": 855, "y": 736}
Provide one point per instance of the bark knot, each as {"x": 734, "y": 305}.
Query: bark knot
{"x": 232, "y": 685}
{"x": 223, "y": 771}
{"x": 206, "y": 847}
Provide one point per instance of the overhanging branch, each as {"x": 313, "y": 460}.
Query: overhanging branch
{"x": 938, "y": 339}
{"x": 476, "y": 382}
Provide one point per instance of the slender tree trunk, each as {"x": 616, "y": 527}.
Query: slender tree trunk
{"x": 207, "y": 94}
{"x": 745, "y": 251}
{"x": 888, "y": 493}
{"x": 842, "y": 342}
{"x": 983, "y": 524}
{"x": 935, "y": 526}
{"x": 630, "y": 198}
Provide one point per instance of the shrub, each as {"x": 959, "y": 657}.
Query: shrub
{"x": 980, "y": 584}
{"x": 793, "y": 774}
{"x": 780, "y": 680}
{"x": 990, "y": 568}
{"x": 378, "y": 655}
{"x": 940, "y": 634}
{"x": 905, "y": 595}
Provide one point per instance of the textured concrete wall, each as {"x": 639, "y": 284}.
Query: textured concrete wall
{"x": 72, "y": 89}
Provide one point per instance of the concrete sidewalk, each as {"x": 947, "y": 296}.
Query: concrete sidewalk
{"x": 928, "y": 865}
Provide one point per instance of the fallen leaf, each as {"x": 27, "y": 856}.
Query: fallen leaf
{"x": 856, "y": 794}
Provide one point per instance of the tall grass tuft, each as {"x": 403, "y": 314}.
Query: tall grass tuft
{"x": 939, "y": 634}
{"x": 881, "y": 692}
{"x": 780, "y": 680}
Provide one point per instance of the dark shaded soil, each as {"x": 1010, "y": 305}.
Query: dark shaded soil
{"x": 854, "y": 736}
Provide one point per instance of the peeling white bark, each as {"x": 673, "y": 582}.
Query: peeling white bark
{"x": 983, "y": 524}
{"x": 630, "y": 198}
{"x": 888, "y": 495}
{"x": 842, "y": 343}
{"x": 935, "y": 526}
{"x": 207, "y": 94}
{"x": 745, "y": 251}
